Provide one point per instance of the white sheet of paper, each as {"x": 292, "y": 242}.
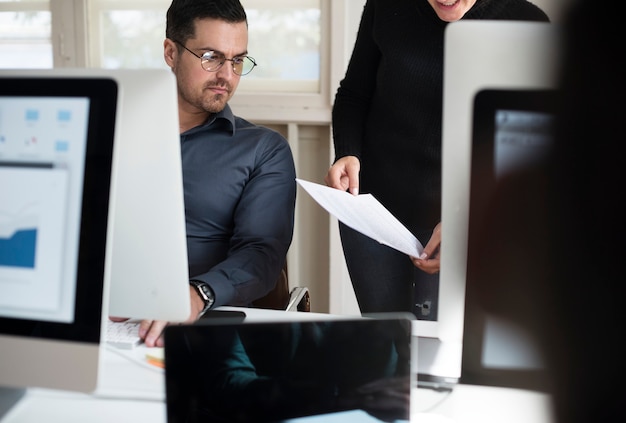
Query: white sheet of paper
{"x": 365, "y": 214}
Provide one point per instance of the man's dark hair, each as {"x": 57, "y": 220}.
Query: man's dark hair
{"x": 182, "y": 14}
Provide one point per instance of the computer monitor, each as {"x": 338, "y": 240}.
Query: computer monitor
{"x": 149, "y": 266}
{"x": 56, "y": 158}
{"x": 478, "y": 54}
{"x": 345, "y": 369}
{"x": 512, "y": 130}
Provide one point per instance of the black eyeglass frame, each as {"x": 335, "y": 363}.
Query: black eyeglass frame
{"x": 222, "y": 59}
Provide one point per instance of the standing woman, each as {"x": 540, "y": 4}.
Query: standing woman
{"x": 387, "y": 120}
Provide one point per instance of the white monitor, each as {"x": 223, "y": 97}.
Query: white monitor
{"x": 149, "y": 273}
{"x": 478, "y": 54}
{"x": 56, "y": 158}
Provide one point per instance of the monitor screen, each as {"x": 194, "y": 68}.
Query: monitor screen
{"x": 221, "y": 370}
{"x": 56, "y": 158}
{"x": 511, "y": 130}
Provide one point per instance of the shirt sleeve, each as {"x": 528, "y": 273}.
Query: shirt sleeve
{"x": 352, "y": 101}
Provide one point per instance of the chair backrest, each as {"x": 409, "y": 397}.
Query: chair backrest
{"x": 277, "y": 298}
{"x": 282, "y": 298}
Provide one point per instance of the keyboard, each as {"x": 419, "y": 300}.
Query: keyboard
{"x": 124, "y": 335}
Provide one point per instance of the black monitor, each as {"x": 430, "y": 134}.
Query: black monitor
{"x": 225, "y": 370}
{"x": 512, "y": 129}
{"x": 56, "y": 157}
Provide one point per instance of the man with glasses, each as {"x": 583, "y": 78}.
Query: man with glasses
{"x": 239, "y": 178}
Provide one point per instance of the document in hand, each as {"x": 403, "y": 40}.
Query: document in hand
{"x": 365, "y": 214}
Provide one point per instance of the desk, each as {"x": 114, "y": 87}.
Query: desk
{"x": 133, "y": 391}
{"x": 465, "y": 404}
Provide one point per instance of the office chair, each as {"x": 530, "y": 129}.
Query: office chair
{"x": 281, "y": 298}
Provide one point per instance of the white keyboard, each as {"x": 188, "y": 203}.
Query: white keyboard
{"x": 124, "y": 335}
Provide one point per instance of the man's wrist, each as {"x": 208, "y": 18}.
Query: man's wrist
{"x": 205, "y": 293}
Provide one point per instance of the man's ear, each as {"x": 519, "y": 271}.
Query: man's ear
{"x": 170, "y": 52}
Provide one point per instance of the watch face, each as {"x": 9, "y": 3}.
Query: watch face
{"x": 205, "y": 292}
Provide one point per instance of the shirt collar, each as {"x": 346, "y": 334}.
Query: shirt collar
{"x": 225, "y": 116}
{"x": 224, "y": 120}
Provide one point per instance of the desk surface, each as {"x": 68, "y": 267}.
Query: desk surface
{"x": 465, "y": 404}
{"x": 133, "y": 390}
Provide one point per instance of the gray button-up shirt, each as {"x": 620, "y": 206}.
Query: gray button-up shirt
{"x": 240, "y": 193}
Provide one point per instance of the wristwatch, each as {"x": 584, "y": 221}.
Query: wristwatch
{"x": 205, "y": 292}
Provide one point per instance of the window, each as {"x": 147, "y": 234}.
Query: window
{"x": 284, "y": 40}
{"x": 290, "y": 40}
{"x": 127, "y": 33}
{"x": 25, "y": 34}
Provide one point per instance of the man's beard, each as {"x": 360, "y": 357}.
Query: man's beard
{"x": 215, "y": 103}
{"x": 207, "y": 101}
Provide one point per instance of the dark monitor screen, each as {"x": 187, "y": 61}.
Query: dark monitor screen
{"x": 270, "y": 372}
{"x": 511, "y": 129}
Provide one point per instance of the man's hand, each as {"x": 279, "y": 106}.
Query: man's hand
{"x": 151, "y": 331}
{"x": 430, "y": 260}
{"x": 344, "y": 174}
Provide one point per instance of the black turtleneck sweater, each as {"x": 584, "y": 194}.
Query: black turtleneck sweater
{"x": 388, "y": 108}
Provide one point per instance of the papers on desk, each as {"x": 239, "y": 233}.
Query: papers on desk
{"x": 365, "y": 214}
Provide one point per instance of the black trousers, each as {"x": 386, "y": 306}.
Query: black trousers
{"x": 385, "y": 280}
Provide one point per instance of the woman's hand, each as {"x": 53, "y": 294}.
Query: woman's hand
{"x": 344, "y": 174}
{"x": 430, "y": 260}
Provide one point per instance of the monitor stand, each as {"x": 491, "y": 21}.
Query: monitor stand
{"x": 8, "y": 398}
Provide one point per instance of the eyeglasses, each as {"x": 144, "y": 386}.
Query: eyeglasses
{"x": 212, "y": 61}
